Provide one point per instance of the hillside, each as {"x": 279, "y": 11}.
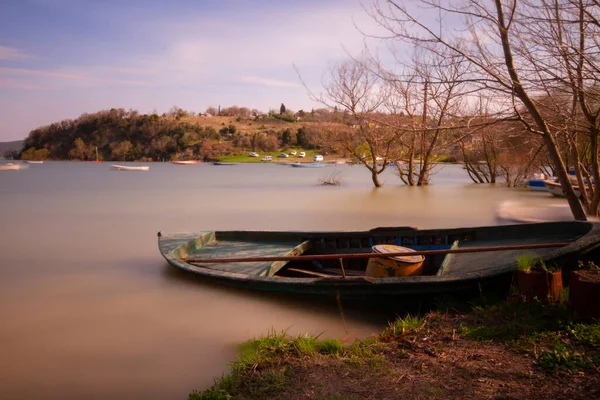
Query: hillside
{"x": 129, "y": 136}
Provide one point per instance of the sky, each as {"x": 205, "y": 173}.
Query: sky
{"x": 62, "y": 58}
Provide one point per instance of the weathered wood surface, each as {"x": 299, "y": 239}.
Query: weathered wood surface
{"x": 464, "y": 272}
{"x": 502, "y": 247}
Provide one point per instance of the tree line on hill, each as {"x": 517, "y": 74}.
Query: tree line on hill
{"x": 122, "y": 135}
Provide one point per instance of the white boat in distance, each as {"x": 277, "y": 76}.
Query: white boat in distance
{"x": 185, "y": 162}
{"x": 309, "y": 165}
{"x": 555, "y": 189}
{"x": 12, "y": 167}
{"x": 129, "y": 168}
{"x": 33, "y": 162}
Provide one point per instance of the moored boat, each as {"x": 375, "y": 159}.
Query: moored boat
{"x": 223, "y": 163}
{"x": 12, "y": 167}
{"x": 513, "y": 212}
{"x": 33, "y": 162}
{"x": 130, "y": 168}
{"x": 186, "y": 162}
{"x": 555, "y": 188}
{"x": 308, "y": 165}
{"x": 536, "y": 182}
{"x": 455, "y": 260}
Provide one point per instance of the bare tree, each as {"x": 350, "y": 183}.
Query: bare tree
{"x": 429, "y": 91}
{"x": 507, "y": 49}
{"x": 355, "y": 89}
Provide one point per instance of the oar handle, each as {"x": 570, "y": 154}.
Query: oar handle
{"x": 376, "y": 255}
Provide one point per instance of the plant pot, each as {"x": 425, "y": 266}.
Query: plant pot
{"x": 540, "y": 285}
{"x": 584, "y": 294}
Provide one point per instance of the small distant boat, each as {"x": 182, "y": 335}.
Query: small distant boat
{"x": 33, "y": 162}
{"x": 555, "y": 188}
{"x": 129, "y": 168}
{"x": 223, "y": 163}
{"x": 12, "y": 167}
{"x": 308, "y": 165}
{"x": 267, "y": 158}
{"x": 513, "y": 212}
{"x": 181, "y": 162}
{"x": 536, "y": 182}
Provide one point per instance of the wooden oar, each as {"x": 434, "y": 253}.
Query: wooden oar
{"x": 375, "y": 255}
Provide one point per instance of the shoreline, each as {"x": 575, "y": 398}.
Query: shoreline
{"x": 503, "y": 350}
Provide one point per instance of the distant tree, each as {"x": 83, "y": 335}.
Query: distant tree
{"x": 282, "y": 109}
{"x": 211, "y": 110}
{"x": 302, "y": 137}
{"x": 121, "y": 150}
{"x": 79, "y": 151}
{"x": 10, "y": 153}
{"x": 286, "y": 137}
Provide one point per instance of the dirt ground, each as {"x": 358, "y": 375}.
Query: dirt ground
{"x": 434, "y": 363}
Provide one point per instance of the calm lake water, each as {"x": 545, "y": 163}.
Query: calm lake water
{"x": 89, "y": 309}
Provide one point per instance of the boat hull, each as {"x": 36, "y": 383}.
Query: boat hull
{"x": 537, "y": 185}
{"x": 191, "y": 162}
{"x": 555, "y": 189}
{"x": 129, "y": 168}
{"x": 309, "y": 165}
{"x": 12, "y": 167}
{"x": 457, "y": 273}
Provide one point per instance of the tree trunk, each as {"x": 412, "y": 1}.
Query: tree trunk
{"x": 563, "y": 179}
{"x": 375, "y": 177}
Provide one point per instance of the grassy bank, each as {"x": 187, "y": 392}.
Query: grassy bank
{"x": 247, "y": 159}
{"x": 506, "y": 350}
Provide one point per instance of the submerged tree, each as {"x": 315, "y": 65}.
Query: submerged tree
{"x": 357, "y": 90}
{"x": 513, "y": 51}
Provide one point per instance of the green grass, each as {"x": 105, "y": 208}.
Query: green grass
{"x": 260, "y": 369}
{"x": 546, "y": 333}
{"x": 403, "y": 325}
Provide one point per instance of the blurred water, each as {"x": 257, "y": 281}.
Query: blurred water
{"x": 89, "y": 308}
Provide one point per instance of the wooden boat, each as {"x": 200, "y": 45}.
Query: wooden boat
{"x": 12, "y": 167}
{"x": 130, "y": 168}
{"x": 309, "y": 262}
{"x": 308, "y": 165}
{"x": 555, "y": 188}
{"x": 182, "y": 162}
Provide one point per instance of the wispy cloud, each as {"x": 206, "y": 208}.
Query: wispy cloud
{"x": 268, "y": 82}
{"x": 35, "y": 73}
{"x": 18, "y": 84}
{"x": 10, "y": 53}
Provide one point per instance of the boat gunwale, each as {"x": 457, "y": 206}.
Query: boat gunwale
{"x": 587, "y": 239}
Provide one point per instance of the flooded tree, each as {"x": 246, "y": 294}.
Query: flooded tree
{"x": 514, "y": 51}
{"x": 356, "y": 90}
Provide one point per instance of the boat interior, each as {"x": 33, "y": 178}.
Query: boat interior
{"x": 248, "y": 244}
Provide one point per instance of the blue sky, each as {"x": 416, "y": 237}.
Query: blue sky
{"x": 61, "y": 58}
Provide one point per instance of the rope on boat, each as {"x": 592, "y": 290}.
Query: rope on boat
{"x": 375, "y": 255}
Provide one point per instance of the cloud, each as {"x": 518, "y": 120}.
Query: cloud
{"x": 19, "y": 84}
{"x": 10, "y": 53}
{"x": 268, "y": 82}
{"x": 67, "y": 76}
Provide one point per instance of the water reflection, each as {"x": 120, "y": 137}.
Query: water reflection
{"x": 89, "y": 309}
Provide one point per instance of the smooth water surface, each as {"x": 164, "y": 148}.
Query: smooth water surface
{"x": 89, "y": 308}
